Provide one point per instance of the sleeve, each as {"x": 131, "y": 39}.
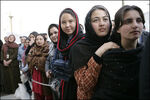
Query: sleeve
{"x": 29, "y": 59}
{"x": 19, "y": 55}
{"x": 2, "y": 54}
{"x": 28, "y": 49}
{"x": 87, "y": 76}
{"x": 14, "y": 54}
{"x": 47, "y": 64}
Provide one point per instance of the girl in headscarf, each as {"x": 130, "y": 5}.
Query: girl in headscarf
{"x": 84, "y": 60}
{"x": 69, "y": 33}
{"x": 119, "y": 77}
{"x": 36, "y": 62}
{"x": 11, "y": 65}
{"x": 53, "y": 35}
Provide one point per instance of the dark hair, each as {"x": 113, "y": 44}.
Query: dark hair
{"x": 34, "y": 33}
{"x": 67, "y": 10}
{"x": 51, "y": 26}
{"x": 116, "y": 37}
{"x": 28, "y": 38}
{"x": 122, "y": 11}
{"x": 44, "y": 33}
{"x": 42, "y": 36}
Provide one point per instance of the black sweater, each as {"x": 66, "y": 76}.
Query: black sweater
{"x": 119, "y": 76}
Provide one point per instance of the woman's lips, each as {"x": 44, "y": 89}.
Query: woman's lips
{"x": 102, "y": 29}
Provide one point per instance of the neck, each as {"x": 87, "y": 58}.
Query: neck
{"x": 128, "y": 44}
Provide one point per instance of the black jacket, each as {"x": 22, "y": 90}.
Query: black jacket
{"x": 145, "y": 72}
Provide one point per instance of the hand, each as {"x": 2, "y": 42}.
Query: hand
{"x": 31, "y": 41}
{"x": 49, "y": 74}
{"x": 5, "y": 63}
{"x": 9, "y": 61}
{"x": 106, "y": 46}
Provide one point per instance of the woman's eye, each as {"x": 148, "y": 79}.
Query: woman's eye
{"x": 105, "y": 19}
{"x": 55, "y": 32}
{"x": 70, "y": 21}
{"x": 95, "y": 20}
{"x": 139, "y": 20}
{"x": 128, "y": 21}
{"x": 63, "y": 22}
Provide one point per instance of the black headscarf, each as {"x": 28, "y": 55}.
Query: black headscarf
{"x": 62, "y": 44}
{"x": 85, "y": 48}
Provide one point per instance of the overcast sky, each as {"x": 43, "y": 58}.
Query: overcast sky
{"x": 31, "y": 16}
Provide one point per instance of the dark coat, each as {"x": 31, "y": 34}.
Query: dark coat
{"x": 145, "y": 72}
{"x": 119, "y": 77}
{"x": 12, "y": 72}
{"x": 1, "y": 70}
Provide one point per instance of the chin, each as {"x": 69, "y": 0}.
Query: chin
{"x": 135, "y": 38}
{"x": 101, "y": 35}
{"x": 55, "y": 41}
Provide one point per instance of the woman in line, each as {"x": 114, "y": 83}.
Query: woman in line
{"x": 24, "y": 68}
{"x": 11, "y": 65}
{"x": 21, "y": 50}
{"x": 32, "y": 41}
{"x": 36, "y": 62}
{"x": 84, "y": 60}
{"x": 119, "y": 77}
{"x": 69, "y": 33}
{"x": 53, "y": 35}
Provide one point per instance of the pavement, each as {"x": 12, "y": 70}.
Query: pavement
{"x": 8, "y": 97}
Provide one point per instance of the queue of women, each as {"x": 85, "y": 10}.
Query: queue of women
{"x": 100, "y": 64}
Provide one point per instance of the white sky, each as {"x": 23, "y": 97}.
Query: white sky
{"x": 31, "y": 16}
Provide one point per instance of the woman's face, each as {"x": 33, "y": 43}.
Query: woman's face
{"x": 40, "y": 40}
{"x": 32, "y": 37}
{"x": 23, "y": 40}
{"x": 53, "y": 34}
{"x": 132, "y": 26}
{"x": 68, "y": 23}
{"x": 100, "y": 22}
{"x": 26, "y": 43}
{"x": 11, "y": 38}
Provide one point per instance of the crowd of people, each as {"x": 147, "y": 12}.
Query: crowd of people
{"x": 108, "y": 61}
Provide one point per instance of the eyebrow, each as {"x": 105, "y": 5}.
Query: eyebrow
{"x": 132, "y": 18}
{"x": 102, "y": 17}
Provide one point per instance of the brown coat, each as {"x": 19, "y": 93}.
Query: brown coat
{"x": 37, "y": 57}
{"x": 11, "y": 72}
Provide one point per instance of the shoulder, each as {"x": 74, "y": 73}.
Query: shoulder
{"x": 75, "y": 47}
